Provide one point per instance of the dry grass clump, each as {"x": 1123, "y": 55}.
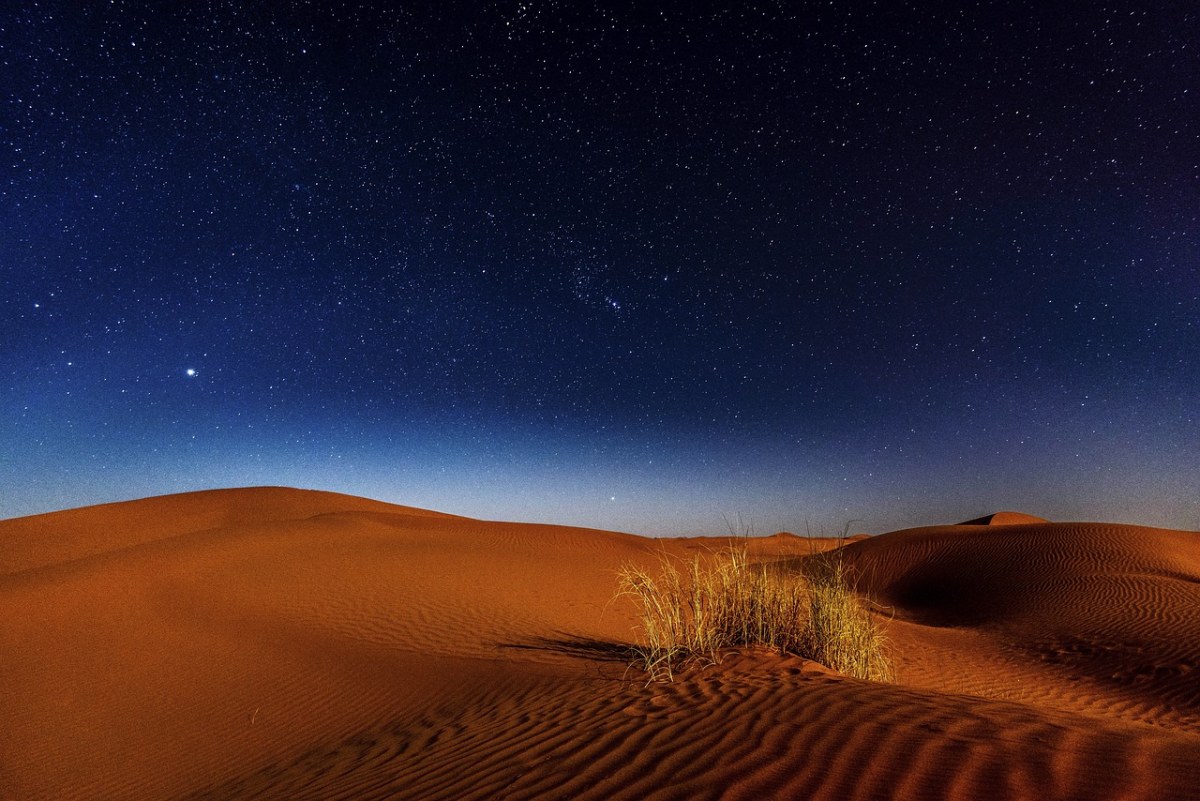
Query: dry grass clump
{"x": 840, "y": 632}
{"x": 691, "y": 610}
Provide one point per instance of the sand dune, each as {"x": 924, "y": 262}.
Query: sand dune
{"x": 275, "y": 643}
{"x": 1088, "y": 617}
{"x": 1005, "y": 519}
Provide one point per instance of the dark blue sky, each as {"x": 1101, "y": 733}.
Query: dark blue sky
{"x": 635, "y": 269}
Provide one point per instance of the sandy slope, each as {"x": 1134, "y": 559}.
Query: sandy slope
{"x": 274, "y": 643}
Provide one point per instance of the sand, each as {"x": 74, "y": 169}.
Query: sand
{"x": 287, "y": 644}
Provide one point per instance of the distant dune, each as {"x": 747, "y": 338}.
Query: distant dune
{"x": 1004, "y": 519}
{"x": 274, "y": 643}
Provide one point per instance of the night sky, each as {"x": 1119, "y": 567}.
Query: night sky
{"x": 640, "y": 269}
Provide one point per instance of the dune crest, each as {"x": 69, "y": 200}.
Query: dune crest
{"x": 1004, "y": 519}
{"x": 57, "y": 537}
{"x": 275, "y": 643}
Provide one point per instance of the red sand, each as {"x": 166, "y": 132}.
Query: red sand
{"x": 275, "y": 643}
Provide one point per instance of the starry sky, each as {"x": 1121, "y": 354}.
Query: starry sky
{"x": 634, "y": 266}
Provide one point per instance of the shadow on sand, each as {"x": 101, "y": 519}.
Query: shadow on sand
{"x": 577, "y": 647}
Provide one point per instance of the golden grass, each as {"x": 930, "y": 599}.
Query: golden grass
{"x": 840, "y": 632}
{"x": 691, "y": 610}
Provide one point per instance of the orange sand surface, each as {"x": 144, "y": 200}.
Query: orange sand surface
{"x": 286, "y": 644}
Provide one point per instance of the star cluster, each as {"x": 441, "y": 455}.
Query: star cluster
{"x": 582, "y": 263}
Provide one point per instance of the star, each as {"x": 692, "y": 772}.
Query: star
{"x": 191, "y": 372}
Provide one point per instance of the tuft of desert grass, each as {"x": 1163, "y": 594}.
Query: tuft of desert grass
{"x": 840, "y": 632}
{"x": 692, "y": 609}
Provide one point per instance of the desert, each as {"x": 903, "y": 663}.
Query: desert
{"x": 533, "y": 399}
{"x": 274, "y": 643}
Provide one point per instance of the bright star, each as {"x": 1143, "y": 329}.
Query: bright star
{"x": 191, "y": 373}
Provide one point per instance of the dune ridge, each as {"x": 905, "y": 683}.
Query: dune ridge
{"x": 1088, "y": 616}
{"x": 57, "y": 537}
{"x": 273, "y": 643}
{"x": 1005, "y": 519}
